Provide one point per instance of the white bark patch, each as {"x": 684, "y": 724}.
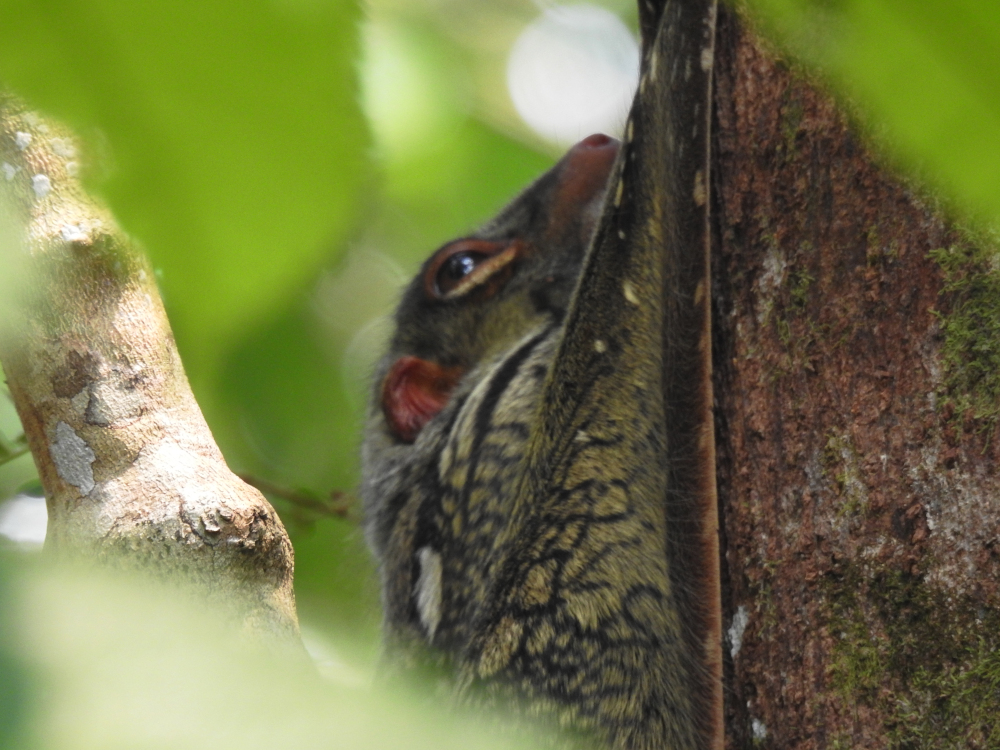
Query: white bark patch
{"x": 73, "y": 458}
{"x": 63, "y": 148}
{"x": 41, "y": 184}
{"x": 737, "y": 629}
{"x": 113, "y": 403}
{"x": 73, "y": 233}
{"x": 769, "y": 282}
{"x": 428, "y": 590}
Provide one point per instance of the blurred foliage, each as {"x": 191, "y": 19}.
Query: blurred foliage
{"x": 231, "y": 140}
{"x": 150, "y": 667}
{"x": 923, "y": 76}
{"x": 287, "y": 164}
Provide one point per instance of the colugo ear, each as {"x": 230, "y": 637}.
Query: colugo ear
{"x": 413, "y": 392}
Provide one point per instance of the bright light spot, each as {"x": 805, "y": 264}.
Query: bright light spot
{"x": 572, "y": 72}
{"x": 23, "y": 520}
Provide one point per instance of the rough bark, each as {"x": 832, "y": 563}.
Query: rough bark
{"x": 856, "y": 408}
{"x": 855, "y": 359}
{"x": 131, "y": 473}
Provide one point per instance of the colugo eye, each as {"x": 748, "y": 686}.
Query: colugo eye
{"x": 468, "y": 264}
{"x": 456, "y": 268}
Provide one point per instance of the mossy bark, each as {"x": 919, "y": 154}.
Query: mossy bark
{"x": 855, "y": 336}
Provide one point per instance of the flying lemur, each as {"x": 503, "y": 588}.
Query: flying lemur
{"x": 531, "y": 432}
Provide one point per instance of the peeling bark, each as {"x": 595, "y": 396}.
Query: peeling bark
{"x": 856, "y": 467}
{"x": 131, "y": 473}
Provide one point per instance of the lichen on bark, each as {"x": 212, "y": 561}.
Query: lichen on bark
{"x": 131, "y": 473}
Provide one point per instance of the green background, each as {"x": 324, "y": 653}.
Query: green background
{"x": 287, "y": 164}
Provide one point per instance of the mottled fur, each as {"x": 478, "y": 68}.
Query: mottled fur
{"x": 540, "y": 491}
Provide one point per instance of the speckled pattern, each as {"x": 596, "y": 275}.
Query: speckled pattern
{"x": 523, "y": 535}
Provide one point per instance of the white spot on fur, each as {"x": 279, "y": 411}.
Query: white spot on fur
{"x": 736, "y": 630}
{"x": 618, "y": 192}
{"x": 629, "y": 291}
{"x": 759, "y": 730}
{"x": 581, "y": 437}
{"x": 706, "y": 59}
{"x": 599, "y": 346}
{"x": 22, "y": 140}
{"x": 699, "y": 292}
{"x": 41, "y": 184}
{"x": 428, "y": 590}
{"x": 72, "y": 168}
{"x": 700, "y": 194}
{"x": 652, "y": 65}
{"x": 73, "y": 458}
{"x": 628, "y": 132}
{"x": 621, "y": 234}
{"x": 9, "y": 171}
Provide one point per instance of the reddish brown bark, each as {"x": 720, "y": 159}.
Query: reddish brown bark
{"x": 860, "y": 513}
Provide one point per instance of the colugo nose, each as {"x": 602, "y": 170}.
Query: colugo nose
{"x": 582, "y": 176}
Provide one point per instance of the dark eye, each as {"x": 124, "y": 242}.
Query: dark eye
{"x": 456, "y": 268}
{"x": 469, "y": 266}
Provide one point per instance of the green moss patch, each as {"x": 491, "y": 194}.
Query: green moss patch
{"x": 971, "y": 329}
{"x": 930, "y": 666}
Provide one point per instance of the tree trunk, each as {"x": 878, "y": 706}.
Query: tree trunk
{"x": 856, "y": 363}
{"x": 856, "y": 386}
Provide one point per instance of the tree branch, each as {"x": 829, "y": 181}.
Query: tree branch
{"x": 131, "y": 473}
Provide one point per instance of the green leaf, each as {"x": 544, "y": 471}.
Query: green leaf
{"x": 925, "y": 72}
{"x": 236, "y": 140}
